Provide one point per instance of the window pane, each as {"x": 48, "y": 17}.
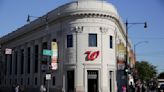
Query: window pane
{"x": 44, "y": 45}
{"x": 69, "y": 41}
{"x": 5, "y": 64}
{"x": 36, "y": 81}
{"x": 110, "y": 42}
{"x": 36, "y": 58}
{"x": 53, "y": 80}
{"x": 44, "y": 80}
{"x": 28, "y": 59}
{"x": 22, "y": 61}
{"x": 70, "y": 81}
{"x": 28, "y": 81}
{"x": 10, "y": 63}
{"x": 16, "y": 58}
{"x": 44, "y": 58}
{"x": 111, "y": 81}
{"x": 92, "y": 40}
{"x": 21, "y": 81}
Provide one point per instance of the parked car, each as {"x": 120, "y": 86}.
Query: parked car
{"x": 161, "y": 88}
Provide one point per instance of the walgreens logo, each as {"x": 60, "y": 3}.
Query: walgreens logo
{"x": 92, "y": 55}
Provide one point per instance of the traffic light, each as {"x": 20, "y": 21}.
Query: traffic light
{"x": 127, "y": 71}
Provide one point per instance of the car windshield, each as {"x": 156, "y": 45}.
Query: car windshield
{"x": 162, "y": 85}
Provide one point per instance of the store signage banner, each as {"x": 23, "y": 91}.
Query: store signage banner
{"x": 54, "y": 56}
{"x": 121, "y": 66}
{"x": 92, "y": 55}
{"x": 121, "y": 52}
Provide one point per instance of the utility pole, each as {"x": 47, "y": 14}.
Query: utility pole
{"x": 48, "y": 53}
{"x": 126, "y": 56}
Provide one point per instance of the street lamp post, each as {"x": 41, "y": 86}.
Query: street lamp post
{"x": 47, "y": 29}
{"x": 126, "y": 57}
{"x": 1, "y": 63}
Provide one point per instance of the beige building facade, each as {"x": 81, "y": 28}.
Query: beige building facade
{"x": 87, "y": 55}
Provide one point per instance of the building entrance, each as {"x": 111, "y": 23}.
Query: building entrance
{"x": 92, "y": 81}
{"x": 70, "y": 81}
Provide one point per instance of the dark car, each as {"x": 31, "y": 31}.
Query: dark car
{"x": 161, "y": 87}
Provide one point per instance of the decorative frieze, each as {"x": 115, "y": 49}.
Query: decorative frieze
{"x": 77, "y": 29}
{"x": 104, "y": 30}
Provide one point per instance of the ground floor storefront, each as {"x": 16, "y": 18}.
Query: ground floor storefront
{"x": 85, "y": 79}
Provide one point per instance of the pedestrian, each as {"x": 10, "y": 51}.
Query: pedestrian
{"x": 13, "y": 88}
{"x": 42, "y": 88}
{"x": 131, "y": 87}
{"x": 143, "y": 88}
{"x": 21, "y": 88}
{"x": 123, "y": 88}
{"x": 17, "y": 88}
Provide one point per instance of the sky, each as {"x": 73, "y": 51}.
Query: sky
{"x": 13, "y": 15}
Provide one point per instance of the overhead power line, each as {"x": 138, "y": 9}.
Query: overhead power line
{"x": 150, "y": 55}
{"x": 152, "y": 38}
{"x": 156, "y": 53}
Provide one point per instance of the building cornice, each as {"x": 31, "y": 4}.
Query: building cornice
{"x": 56, "y": 15}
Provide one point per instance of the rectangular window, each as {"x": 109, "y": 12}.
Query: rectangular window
{"x": 44, "y": 81}
{"x": 53, "y": 80}
{"x": 36, "y": 58}
{"x": 15, "y": 81}
{"x": 10, "y": 63}
{"x": 5, "y": 64}
{"x": 110, "y": 41}
{"x": 70, "y": 81}
{"x": 5, "y": 81}
{"x": 22, "y": 61}
{"x": 21, "y": 81}
{"x": 16, "y": 58}
{"x": 44, "y": 58}
{"x": 92, "y": 40}
{"x": 36, "y": 81}
{"x": 44, "y": 45}
{"x": 10, "y": 82}
{"x": 28, "y": 59}
{"x": 0, "y": 81}
{"x": 69, "y": 41}
{"x": 111, "y": 86}
{"x": 28, "y": 81}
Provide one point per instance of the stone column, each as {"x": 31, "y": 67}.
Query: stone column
{"x": 32, "y": 63}
{"x": 104, "y": 70}
{"x": 79, "y": 85}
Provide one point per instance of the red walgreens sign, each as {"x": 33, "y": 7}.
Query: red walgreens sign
{"x": 92, "y": 55}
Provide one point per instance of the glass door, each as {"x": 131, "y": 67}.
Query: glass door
{"x": 70, "y": 81}
{"x": 92, "y": 81}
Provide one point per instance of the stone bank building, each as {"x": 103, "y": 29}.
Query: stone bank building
{"x": 87, "y": 33}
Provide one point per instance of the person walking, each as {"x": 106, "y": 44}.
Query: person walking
{"x": 42, "y": 88}
{"x": 17, "y": 88}
{"x": 123, "y": 88}
{"x": 22, "y": 88}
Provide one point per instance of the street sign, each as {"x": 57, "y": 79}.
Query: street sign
{"x": 43, "y": 67}
{"x": 8, "y": 51}
{"x": 48, "y": 76}
{"x": 47, "y": 52}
